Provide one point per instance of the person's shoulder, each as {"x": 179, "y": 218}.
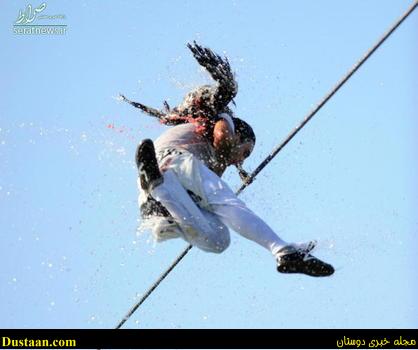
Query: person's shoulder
{"x": 182, "y": 128}
{"x": 176, "y": 132}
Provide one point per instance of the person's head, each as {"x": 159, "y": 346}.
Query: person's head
{"x": 246, "y": 141}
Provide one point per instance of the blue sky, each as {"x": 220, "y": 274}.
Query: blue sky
{"x": 71, "y": 256}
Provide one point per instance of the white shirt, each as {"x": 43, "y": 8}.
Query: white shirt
{"x": 185, "y": 137}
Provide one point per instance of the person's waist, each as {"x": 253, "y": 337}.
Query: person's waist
{"x": 170, "y": 152}
{"x": 204, "y": 155}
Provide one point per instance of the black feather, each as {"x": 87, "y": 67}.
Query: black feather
{"x": 220, "y": 71}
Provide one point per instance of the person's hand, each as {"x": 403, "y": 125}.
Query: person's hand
{"x": 245, "y": 177}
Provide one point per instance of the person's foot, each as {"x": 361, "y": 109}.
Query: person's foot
{"x": 149, "y": 172}
{"x": 296, "y": 259}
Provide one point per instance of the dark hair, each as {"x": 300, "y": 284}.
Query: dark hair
{"x": 244, "y": 130}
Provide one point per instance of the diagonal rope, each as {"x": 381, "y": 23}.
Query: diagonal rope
{"x": 154, "y": 286}
{"x": 276, "y": 150}
{"x": 333, "y": 91}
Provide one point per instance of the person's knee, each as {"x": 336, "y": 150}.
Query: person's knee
{"x": 214, "y": 239}
{"x": 220, "y": 246}
{"x": 224, "y": 244}
{"x": 220, "y": 241}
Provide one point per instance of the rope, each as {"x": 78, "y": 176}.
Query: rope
{"x": 153, "y": 287}
{"x": 276, "y": 150}
{"x": 310, "y": 115}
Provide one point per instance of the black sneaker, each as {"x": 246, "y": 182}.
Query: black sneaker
{"x": 149, "y": 173}
{"x": 300, "y": 261}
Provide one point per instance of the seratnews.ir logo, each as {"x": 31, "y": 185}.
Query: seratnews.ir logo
{"x": 33, "y": 21}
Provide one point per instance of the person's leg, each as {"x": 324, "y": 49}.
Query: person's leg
{"x": 166, "y": 202}
{"x": 199, "y": 227}
{"x": 222, "y": 237}
{"x": 215, "y": 196}
{"x": 291, "y": 258}
{"x": 235, "y": 214}
{"x": 242, "y": 220}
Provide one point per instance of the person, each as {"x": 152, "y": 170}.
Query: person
{"x": 182, "y": 194}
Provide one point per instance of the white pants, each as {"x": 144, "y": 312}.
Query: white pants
{"x": 204, "y": 221}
